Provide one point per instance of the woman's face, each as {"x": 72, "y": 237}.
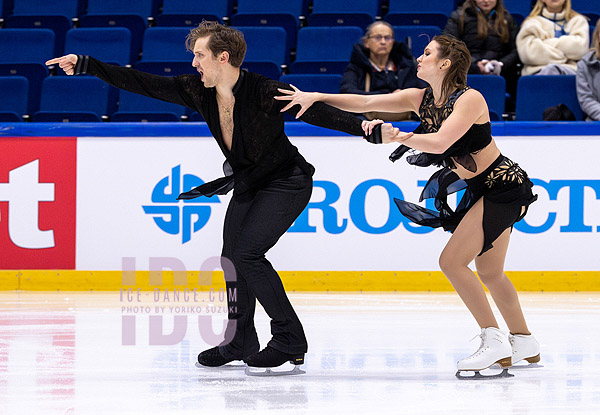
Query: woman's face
{"x": 380, "y": 40}
{"x": 428, "y": 67}
{"x": 486, "y": 6}
{"x": 554, "y": 6}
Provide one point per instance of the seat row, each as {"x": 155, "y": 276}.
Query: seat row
{"x": 85, "y": 98}
{"x": 137, "y": 15}
{"x": 24, "y": 51}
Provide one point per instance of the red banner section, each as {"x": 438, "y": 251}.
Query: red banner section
{"x": 38, "y": 178}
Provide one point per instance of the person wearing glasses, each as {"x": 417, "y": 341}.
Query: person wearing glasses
{"x": 380, "y": 65}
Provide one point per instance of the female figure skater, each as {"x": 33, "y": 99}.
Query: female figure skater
{"x": 455, "y": 133}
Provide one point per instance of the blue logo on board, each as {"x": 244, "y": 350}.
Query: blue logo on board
{"x": 179, "y": 216}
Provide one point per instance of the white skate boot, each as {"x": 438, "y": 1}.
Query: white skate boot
{"x": 494, "y": 349}
{"x": 524, "y": 347}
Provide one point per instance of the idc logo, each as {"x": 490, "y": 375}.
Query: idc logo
{"x": 179, "y": 216}
{"x": 37, "y": 203}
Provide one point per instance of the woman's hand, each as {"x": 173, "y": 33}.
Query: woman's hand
{"x": 391, "y": 134}
{"x": 367, "y": 126}
{"x": 297, "y": 97}
{"x": 66, "y": 63}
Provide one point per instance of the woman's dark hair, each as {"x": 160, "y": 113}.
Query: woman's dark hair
{"x": 483, "y": 24}
{"x": 458, "y": 54}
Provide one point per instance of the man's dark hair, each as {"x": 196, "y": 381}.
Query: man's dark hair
{"x": 221, "y": 39}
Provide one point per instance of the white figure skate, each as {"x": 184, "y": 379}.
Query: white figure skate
{"x": 494, "y": 350}
{"x": 524, "y": 347}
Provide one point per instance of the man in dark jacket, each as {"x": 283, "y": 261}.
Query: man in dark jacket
{"x": 271, "y": 181}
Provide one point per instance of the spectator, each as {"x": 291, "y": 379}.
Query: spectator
{"x": 489, "y": 31}
{"x": 552, "y": 39}
{"x": 381, "y": 65}
{"x": 588, "y": 79}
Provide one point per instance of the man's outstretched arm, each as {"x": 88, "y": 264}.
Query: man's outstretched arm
{"x": 170, "y": 89}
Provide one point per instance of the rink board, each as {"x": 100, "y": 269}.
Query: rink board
{"x": 80, "y": 204}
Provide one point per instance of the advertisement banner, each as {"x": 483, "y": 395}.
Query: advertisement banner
{"x": 98, "y": 203}
{"x": 127, "y": 208}
{"x": 38, "y": 178}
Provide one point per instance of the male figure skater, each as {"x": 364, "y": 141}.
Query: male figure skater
{"x": 271, "y": 181}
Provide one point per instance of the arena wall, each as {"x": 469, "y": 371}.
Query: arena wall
{"x": 89, "y": 206}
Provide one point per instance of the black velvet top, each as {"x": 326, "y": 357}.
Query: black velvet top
{"x": 260, "y": 149}
{"x": 474, "y": 140}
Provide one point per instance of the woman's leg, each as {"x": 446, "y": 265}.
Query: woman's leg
{"x": 490, "y": 268}
{"x": 464, "y": 245}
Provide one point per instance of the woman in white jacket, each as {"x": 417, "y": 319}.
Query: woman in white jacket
{"x": 552, "y": 39}
{"x": 588, "y": 79}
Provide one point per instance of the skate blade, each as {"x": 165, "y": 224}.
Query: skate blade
{"x": 476, "y": 375}
{"x": 267, "y": 371}
{"x": 527, "y": 366}
{"x": 528, "y": 363}
{"x": 228, "y": 366}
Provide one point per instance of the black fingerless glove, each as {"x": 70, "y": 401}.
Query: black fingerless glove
{"x": 81, "y": 66}
{"x": 375, "y": 136}
{"x": 399, "y": 152}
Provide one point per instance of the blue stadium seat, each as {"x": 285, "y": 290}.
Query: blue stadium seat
{"x": 270, "y": 13}
{"x": 493, "y": 89}
{"x": 195, "y": 117}
{"x": 26, "y": 46}
{"x": 191, "y": 13}
{"x": 67, "y": 8}
{"x": 266, "y": 50}
{"x": 135, "y": 107}
{"x": 535, "y": 93}
{"x": 419, "y": 12}
{"x": 359, "y": 13}
{"x": 45, "y": 14}
{"x": 142, "y": 8}
{"x": 328, "y": 83}
{"x": 23, "y": 52}
{"x": 35, "y": 74}
{"x": 14, "y": 98}
{"x": 6, "y": 7}
{"x": 166, "y": 44}
{"x": 588, "y": 8}
{"x": 109, "y": 44}
{"x": 74, "y": 98}
{"x": 325, "y": 49}
{"x": 132, "y": 14}
{"x": 416, "y": 37}
{"x": 519, "y": 9}
{"x": 164, "y": 52}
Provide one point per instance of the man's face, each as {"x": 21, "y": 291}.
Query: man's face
{"x": 206, "y": 63}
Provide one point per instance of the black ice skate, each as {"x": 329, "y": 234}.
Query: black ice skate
{"x": 213, "y": 359}
{"x": 263, "y": 363}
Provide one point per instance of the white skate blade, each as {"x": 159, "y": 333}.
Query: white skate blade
{"x": 277, "y": 371}
{"x": 228, "y": 366}
{"x": 488, "y": 374}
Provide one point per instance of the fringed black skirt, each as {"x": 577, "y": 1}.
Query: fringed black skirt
{"x": 505, "y": 189}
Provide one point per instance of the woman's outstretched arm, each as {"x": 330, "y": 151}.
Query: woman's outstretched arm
{"x": 401, "y": 101}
